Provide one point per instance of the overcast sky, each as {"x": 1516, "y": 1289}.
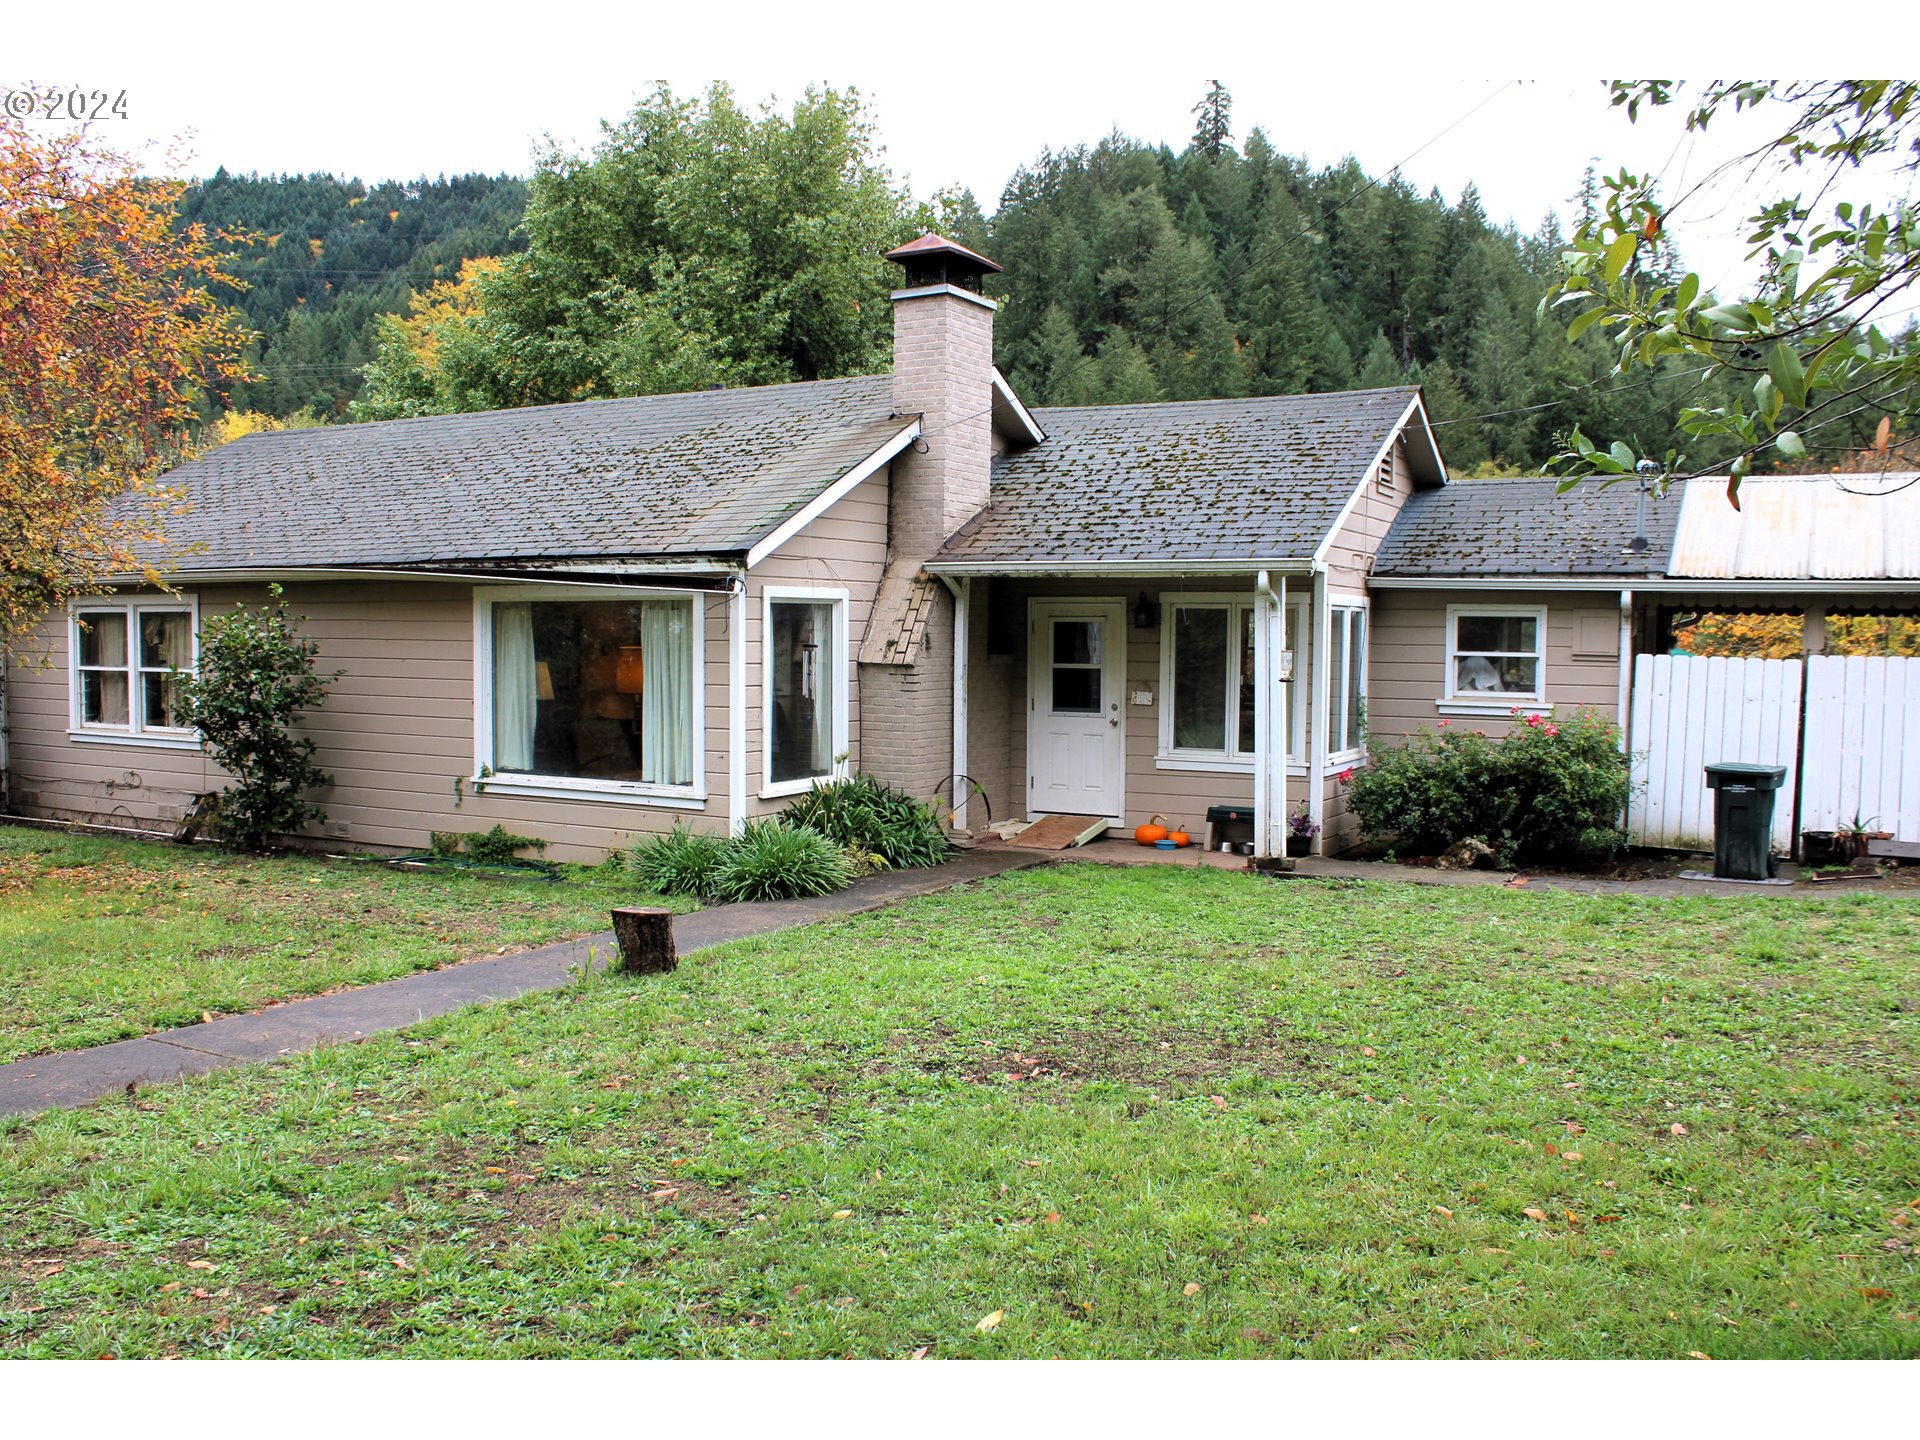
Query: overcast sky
{"x": 962, "y": 94}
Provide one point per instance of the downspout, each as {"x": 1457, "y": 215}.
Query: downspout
{"x": 1320, "y": 619}
{"x": 736, "y": 704}
{"x": 962, "y": 593}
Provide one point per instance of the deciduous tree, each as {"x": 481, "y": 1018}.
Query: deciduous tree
{"x": 108, "y": 337}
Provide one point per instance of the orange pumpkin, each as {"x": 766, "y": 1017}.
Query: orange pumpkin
{"x": 1180, "y": 838}
{"x": 1153, "y": 831}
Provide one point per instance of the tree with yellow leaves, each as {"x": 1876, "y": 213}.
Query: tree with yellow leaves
{"x": 108, "y": 336}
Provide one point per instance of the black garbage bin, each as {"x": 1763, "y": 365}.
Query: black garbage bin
{"x": 1743, "y": 818}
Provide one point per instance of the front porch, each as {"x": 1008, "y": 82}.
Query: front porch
{"x": 1130, "y": 695}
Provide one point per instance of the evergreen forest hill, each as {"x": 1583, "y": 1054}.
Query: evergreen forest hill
{"x": 322, "y": 258}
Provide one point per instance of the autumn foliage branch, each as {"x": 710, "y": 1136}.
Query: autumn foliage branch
{"x": 109, "y": 334}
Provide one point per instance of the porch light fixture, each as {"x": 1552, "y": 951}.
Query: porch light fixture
{"x": 1146, "y": 614}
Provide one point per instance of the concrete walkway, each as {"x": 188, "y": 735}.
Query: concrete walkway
{"x": 77, "y": 1077}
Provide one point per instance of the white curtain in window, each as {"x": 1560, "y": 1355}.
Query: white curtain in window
{"x": 666, "y": 701}
{"x": 515, "y": 687}
{"x": 825, "y": 690}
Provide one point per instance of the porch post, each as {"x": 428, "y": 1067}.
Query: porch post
{"x": 1269, "y": 718}
{"x": 962, "y": 606}
{"x": 1319, "y": 648}
{"x": 737, "y": 705}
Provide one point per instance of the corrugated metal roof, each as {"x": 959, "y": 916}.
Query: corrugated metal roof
{"x": 1800, "y": 527}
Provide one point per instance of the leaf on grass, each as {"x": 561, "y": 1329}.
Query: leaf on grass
{"x": 1572, "y": 1155}
{"x": 1698, "y": 1355}
{"x": 1444, "y": 1211}
{"x": 1367, "y": 1050}
{"x": 201, "y": 1265}
{"x": 496, "y": 1170}
{"x": 169, "y": 1287}
{"x": 660, "y": 1195}
{"x": 842, "y": 1214}
{"x": 1053, "y": 1217}
{"x": 1533, "y": 1212}
{"x": 1676, "y": 1128}
{"x": 1552, "y": 1149}
{"x": 53, "y": 1269}
{"x": 1874, "y": 1292}
{"x": 1192, "y": 1287}
{"x": 1574, "y": 1127}
{"x": 921, "y": 1353}
{"x": 987, "y": 1324}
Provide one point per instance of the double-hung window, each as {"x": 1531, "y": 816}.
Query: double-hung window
{"x": 1346, "y": 681}
{"x": 596, "y": 694}
{"x": 1496, "y": 656}
{"x": 127, "y": 656}
{"x": 804, "y": 734}
{"x": 1207, "y": 682}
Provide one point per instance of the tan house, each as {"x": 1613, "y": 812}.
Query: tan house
{"x": 587, "y": 622}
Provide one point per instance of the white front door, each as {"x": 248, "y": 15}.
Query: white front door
{"x": 1076, "y": 716}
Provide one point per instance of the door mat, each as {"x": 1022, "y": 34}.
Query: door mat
{"x": 1059, "y": 832}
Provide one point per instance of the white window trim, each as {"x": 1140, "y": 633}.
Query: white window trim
{"x": 841, "y": 599}
{"x": 484, "y": 781}
{"x": 1170, "y": 757}
{"x": 133, "y": 733}
{"x": 1494, "y": 702}
{"x": 1336, "y": 602}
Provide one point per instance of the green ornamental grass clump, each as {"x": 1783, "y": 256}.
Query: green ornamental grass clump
{"x": 874, "y": 819}
{"x": 775, "y": 860}
{"x": 680, "y": 862}
{"x": 1554, "y": 789}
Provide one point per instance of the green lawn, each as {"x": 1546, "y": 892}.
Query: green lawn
{"x": 102, "y": 938}
{"x": 1141, "y": 1112}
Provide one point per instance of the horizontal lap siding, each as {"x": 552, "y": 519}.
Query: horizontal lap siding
{"x": 845, "y": 549}
{"x": 396, "y": 733}
{"x": 998, "y": 706}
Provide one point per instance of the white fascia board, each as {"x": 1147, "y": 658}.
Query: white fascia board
{"x": 1366, "y": 479}
{"x": 1641, "y": 585}
{"x": 1106, "y": 568}
{"x": 1433, "y": 441}
{"x": 1025, "y": 416}
{"x": 953, "y": 290}
{"x": 832, "y": 495}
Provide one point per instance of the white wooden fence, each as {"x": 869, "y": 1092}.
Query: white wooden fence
{"x": 1691, "y": 711}
{"x": 1859, "y": 757}
{"x": 1863, "y": 745}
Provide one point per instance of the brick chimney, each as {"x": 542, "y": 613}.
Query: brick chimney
{"x": 943, "y": 372}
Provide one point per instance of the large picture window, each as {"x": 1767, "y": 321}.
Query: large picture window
{"x": 126, "y": 659}
{"x": 593, "y": 690}
{"x": 1496, "y": 653}
{"x": 806, "y": 687}
{"x": 1206, "y": 682}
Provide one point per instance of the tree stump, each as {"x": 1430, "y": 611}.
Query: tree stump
{"x": 646, "y": 939}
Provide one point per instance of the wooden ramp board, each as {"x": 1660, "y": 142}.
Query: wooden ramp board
{"x": 1059, "y": 832}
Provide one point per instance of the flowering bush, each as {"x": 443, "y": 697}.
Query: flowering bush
{"x": 1553, "y": 789}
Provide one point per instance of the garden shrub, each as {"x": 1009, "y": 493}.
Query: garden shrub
{"x": 680, "y": 862}
{"x": 1552, "y": 790}
{"x": 775, "y": 860}
{"x": 256, "y": 676}
{"x": 869, "y": 816}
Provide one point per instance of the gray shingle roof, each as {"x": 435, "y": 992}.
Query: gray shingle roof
{"x": 1521, "y": 527}
{"x": 701, "y": 473}
{"x": 1211, "y": 479}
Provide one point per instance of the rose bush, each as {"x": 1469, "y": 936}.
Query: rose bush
{"x": 1554, "y": 789}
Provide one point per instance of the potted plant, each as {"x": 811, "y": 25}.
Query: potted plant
{"x": 1301, "y": 828}
{"x": 1851, "y": 840}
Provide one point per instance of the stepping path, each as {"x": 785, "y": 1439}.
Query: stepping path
{"x": 78, "y": 1077}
